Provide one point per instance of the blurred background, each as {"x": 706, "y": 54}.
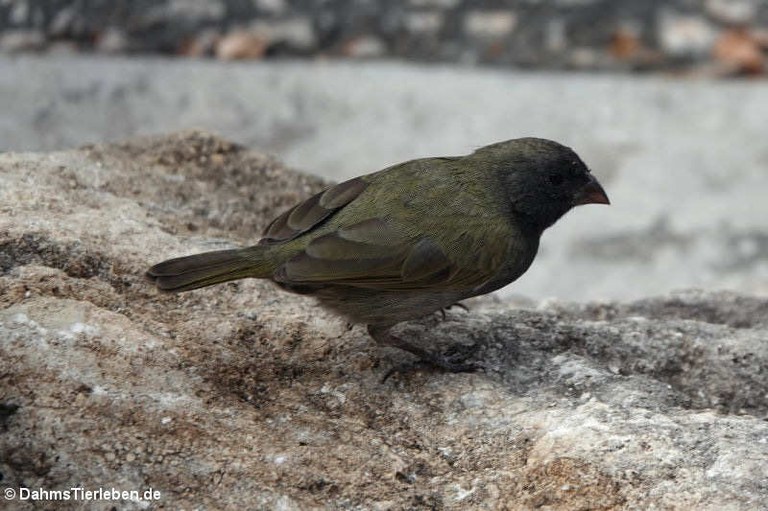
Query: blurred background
{"x": 666, "y": 100}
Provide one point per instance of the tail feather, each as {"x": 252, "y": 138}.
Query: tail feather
{"x": 200, "y": 270}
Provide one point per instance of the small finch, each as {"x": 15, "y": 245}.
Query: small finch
{"x": 409, "y": 240}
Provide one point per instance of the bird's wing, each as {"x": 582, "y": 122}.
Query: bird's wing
{"x": 311, "y": 213}
{"x": 371, "y": 254}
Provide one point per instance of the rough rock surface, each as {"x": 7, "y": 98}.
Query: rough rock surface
{"x": 244, "y": 397}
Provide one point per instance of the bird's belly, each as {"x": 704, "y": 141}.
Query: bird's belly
{"x": 368, "y": 306}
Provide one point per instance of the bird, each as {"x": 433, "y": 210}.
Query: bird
{"x": 409, "y": 240}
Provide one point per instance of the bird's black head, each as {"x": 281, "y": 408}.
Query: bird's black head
{"x": 541, "y": 179}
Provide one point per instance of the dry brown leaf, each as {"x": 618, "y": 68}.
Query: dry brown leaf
{"x": 241, "y": 45}
{"x": 624, "y": 44}
{"x": 739, "y": 52}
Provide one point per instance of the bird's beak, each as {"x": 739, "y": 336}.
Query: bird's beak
{"x": 591, "y": 193}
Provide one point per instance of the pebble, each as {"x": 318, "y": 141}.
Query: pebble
{"x": 271, "y": 6}
{"x": 112, "y": 40}
{"x": 365, "y": 47}
{"x": 683, "y": 35}
{"x": 732, "y": 11}
{"x": 13, "y": 41}
{"x": 489, "y": 24}
{"x": 424, "y": 22}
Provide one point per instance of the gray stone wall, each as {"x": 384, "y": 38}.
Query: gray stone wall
{"x": 555, "y": 34}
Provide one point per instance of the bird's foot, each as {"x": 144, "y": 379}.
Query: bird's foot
{"x": 438, "y": 364}
{"x": 454, "y": 360}
{"x": 457, "y": 304}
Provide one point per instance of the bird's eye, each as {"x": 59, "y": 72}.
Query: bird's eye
{"x": 555, "y": 179}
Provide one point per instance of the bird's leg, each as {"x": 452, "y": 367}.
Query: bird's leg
{"x": 451, "y": 361}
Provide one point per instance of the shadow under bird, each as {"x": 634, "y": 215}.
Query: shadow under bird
{"x": 409, "y": 240}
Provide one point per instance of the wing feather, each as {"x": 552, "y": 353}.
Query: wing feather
{"x": 371, "y": 254}
{"x": 312, "y": 212}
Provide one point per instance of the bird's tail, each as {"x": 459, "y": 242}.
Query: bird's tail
{"x": 200, "y": 270}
